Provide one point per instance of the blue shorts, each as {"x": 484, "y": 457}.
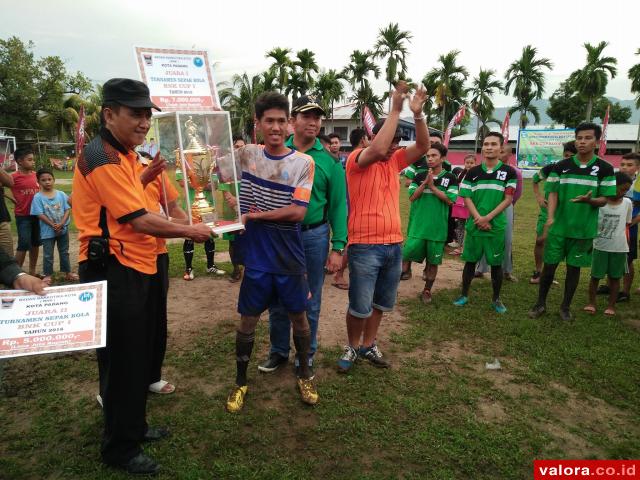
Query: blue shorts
{"x": 374, "y": 275}
{"x": 28, "y": 232}
{"x": 261, "y": 290}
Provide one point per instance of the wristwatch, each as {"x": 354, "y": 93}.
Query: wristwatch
{"x": 340, "y": 251}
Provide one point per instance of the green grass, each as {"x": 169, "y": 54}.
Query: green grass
{"x": 565, "y": 390}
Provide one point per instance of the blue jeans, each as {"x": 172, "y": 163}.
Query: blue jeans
{"x": 63, "y": 253}
{"x": 316, "y": 250}
{"x": 374, "y": 275}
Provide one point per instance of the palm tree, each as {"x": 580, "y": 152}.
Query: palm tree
{"x": 634, "y": 76}
{"x": 358, "y": 70}
{"x": 527, "y": 78}
{"x": 281, "y": 64}
{"x": 329, "y": 88}
{"x": 391, "y": 45}
{"x": 449, "y": 79}
{"x": 307, "y": 63}
{"x": 483, "y": 88}
{"x": 241, "y": 97}
{"x": 364, "y": 97}
{"x": 591, "y": 81}
{"x": 296, "y": 85}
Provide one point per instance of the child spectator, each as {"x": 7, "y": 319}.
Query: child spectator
{"x": 25, "y": 186}
{"x": 52, "y": 208}
{"x": 610, "y": 247}
{"x": 458, "y": 211}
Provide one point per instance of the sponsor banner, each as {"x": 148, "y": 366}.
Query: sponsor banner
{"x": 69, "y": 317}
{"x": 537, "y": 148}
{"x": 179, "y": 80}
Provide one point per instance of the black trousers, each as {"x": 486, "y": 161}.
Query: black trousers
{"x": 124, "y": 364}
{"x": 160, "y": 288}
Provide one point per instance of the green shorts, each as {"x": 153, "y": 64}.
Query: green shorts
{"x": 611, "y": 264}
{"x": 542, "y": 219}
{"x": 492, "y": 247}
{"x": 575, "y": 251}
{"x": 417, "y": 249}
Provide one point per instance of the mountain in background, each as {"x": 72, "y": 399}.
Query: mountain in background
{"x": 543, "y": 104}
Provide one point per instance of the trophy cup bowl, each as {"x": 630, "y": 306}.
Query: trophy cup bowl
{"x": 199, "y": 163}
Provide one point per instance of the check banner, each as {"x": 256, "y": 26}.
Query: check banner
{"x": 69, "y": 317}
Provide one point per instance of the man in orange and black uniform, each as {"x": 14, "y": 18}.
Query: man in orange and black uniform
{"x": 117, "y": 244}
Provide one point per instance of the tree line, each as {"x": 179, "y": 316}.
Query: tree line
{"x": 40, "y": 94}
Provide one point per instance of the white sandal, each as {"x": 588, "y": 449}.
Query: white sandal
{"x": 159, "y": 387}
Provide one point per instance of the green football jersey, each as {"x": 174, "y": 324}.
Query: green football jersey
{"x": 486, "y": 188}
{"x": 570, "y": 178}
{"x": 429, "y": 216}
{"x": 412, "y": 170}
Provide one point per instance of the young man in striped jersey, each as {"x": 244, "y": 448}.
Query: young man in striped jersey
{"x": 577, "y": 187}
{"x": 274, "y": 195}
{"x": 487, "y": 190}
{"x": 432, "y": 192}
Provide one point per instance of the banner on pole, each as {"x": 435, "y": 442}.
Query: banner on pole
{"x": 80, "y": 133}
{"x": 505, "y": 127}
{"x": 179, "y": 80}
{"x": 457, "y": 118}
{"x": 368, "y": 120}
{"x": 603, "y": 138}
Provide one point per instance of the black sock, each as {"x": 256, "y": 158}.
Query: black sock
{"x": 496, "y": 281}
{"x": 467, "y": 275}
{"x": 209, "y": 250}
{"x": 546, "y": 280}
{"x": 302, "y": 342}
{"x": 570, "y": 286}
{"x": 244, "y": 346}
{"x": 187, "y": 251}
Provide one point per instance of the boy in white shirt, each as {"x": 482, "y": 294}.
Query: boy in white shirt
{"x": 610, "y": 247}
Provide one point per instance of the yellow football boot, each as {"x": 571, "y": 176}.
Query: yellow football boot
{"x": 235, "y": 401}
{"x": 308, "y": 391}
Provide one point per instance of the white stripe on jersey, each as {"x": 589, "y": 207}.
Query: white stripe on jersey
{"x": 581, "y": 181}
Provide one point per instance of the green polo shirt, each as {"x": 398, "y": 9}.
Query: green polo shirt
{"x": 329, "y": 194}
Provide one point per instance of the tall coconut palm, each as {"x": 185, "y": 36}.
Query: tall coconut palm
{"x": 449, "y": 79}
{"x": 296, "y": 85}
{"x": 329, "y": 88}
{"x": 360, "y": 66}
{"x": 281, "y": 64}
{"x": 391, "y": 44}
{"x": 483, "y": 88}
{"x": 527, "y": 78}
{"x": 307, "y": 63}
{"x": 634, "y": 76}
{"x": 524, "y": 104}
{"x": 591, "y": 81}
{"x": 364, "y": 97}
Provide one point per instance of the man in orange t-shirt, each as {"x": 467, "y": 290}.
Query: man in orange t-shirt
{"x": 374, "y": 229}
{"x": 116, "y": 234}
{"x": 162, "y": 198}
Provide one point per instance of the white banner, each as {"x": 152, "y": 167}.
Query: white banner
{"x": 179, "y": 80}
{"x": 69, "y": 317}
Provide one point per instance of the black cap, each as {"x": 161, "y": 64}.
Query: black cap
{"x": 378, "y": 126}
{"x": 307, "y": 103}
{"x": 127, "y": 92}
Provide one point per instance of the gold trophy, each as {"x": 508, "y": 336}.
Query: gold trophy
{"x": 200, "y": 162}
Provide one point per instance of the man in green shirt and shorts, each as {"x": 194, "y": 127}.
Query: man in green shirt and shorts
{"x": 577, "y": 187}
{"x": 432, "y": 192}
{"x": 487, "y": 190}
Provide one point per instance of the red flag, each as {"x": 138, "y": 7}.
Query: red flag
{"x": 368, "y": 120}
{"x": 603, "y": 139}
{"x": 80, "y": 133}
{"x": 457, "y": 118}
{"x": 505, "y": 127}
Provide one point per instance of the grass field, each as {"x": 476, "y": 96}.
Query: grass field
{"x": 566, "y": 390}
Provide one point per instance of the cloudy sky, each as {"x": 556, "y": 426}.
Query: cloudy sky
{"x": 97, "y": 37}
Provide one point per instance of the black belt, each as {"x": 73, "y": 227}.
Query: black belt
{"x": 311, "y": 226}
